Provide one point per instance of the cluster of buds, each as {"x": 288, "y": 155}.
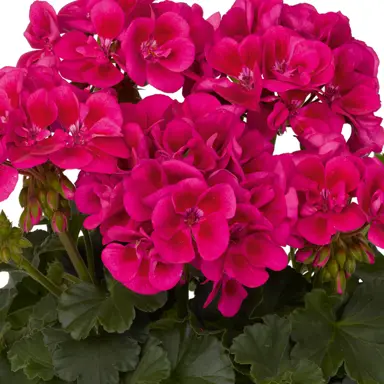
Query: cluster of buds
{"x": 46, "y": 195}
{"x": 335, "y": 263}
{"x": 11, "y": 240}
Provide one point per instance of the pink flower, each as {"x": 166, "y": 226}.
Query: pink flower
{"x": 30, "y": 129}
{"x": 157, "y": 51}
{"x": 195, "y": 210}
{"x": 241, "y": 63}
{"x": 232, "y": 295}
{"x": 371, "y": 198}
{"x": 89, "y": 137}
{"x": 324, "y": 198}
{"x": 140, "y": 269}
{"x": 292, "y": 62}
{"x": 8, "y": 181}
{"x": 85, "y": 61}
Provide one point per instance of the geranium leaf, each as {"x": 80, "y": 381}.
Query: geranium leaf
{"x": 9, "y": 377}
{"x": 44, "y": 313}
{"x": 355, "y": 337}
{"x": 153, "y": 367}
{"x": 265, "y": 347}
{"x": 96, "y": 360}
{"x": 194, "y": 359}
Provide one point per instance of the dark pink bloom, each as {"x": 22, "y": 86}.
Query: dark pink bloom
{"x": 193, "y": 211}
{"x": 31, "y": 129}
{"x": 140, "y": 269}
{"x": 371, "y": 199}
{"x": 241, "y": 63}
{"x": 77, "y": 16}
{"x": 354, "y": 89}
{"x": 292, "y": 62}
{"x": 324, "y": 198}
{"x": 98, "y": 196}
{"x": 157, "y": 51}
{"x": 232, "y": 295}
{"x": 43, "y": 29}
{"x": 8, "y": 181}
{"x": 85, "y": 61}
{"x": 89, "y": 137}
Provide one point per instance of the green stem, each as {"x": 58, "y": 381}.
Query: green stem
{"x": 37, "y": 275}
{"x": 90, "y": 254}
{"x": 74, "y": 255}
{"x": 71, "y": 278}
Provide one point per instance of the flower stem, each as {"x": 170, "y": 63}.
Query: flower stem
{"x": 37, "y": 275}
{"x": 90, "y": 254}
{"x": 74, "y": 255}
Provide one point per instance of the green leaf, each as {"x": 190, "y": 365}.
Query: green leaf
{"x": 79, "y": 308}
{"x": 51, "y": 243}
{"x": 355, "y": 337}
{"x": 96, "y": 360}
{"x": 117, "y": 312}
{"x": 194, "y": 359}
{"x": 55, "y": 272}
{"x": 9, "y": 377}
{"x": 153, "y": 367}
{"x": 83, "y": 304}
{"x": 44, "y": 313}
{"x": 31, "y": 355}
{"x": 283, "y": 291}
{"x": 266, "y": 348}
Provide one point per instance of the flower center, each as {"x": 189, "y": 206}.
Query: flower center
{"x": 193, "y": 215}
{"x": 282, "y": 68}
{"x": 246, "y": 78}
{"x": 331, "y": 93}
{"x": 149, "y": 49}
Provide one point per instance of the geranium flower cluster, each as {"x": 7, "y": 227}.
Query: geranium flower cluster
{"x": 197, "y": 183}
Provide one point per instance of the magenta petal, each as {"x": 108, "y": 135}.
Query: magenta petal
{"x": 141, "y": 283}
{"x": 315, "y": 229}
{"x": 68, "y": 105}
{"x": 232, "y": 296}
{"x": 8, "y": 181}
{"x": 104, "y": 75}
{"x": 182, "y": 54}
{"x": 71, "y": 158}
{"x": 164, "y": 218}
{"x": 219, "y": 199}
{"x": 178, "y": 249}
{"x": 108, "y": 19}
{"x": 213, "y": 270}
{"x": 122, "y": 261}
{"x": 163, "y": 79}
{"x": 164, "y": 276}
{"x": 41, "y": 109}
{"x": 376, "y": 234}
{"x": 349, "y": 219}
{"x": 170, "y": 26}
{"x": 212, "y": 236}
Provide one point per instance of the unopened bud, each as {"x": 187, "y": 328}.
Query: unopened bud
{"x": 325, "y": 275}
{"x": 305, "y": 256}
{"x": 341, "y": 257}
{"x": 68, "y": 189}
{"x": 341, "y": 282}
{"x": 35, "y": 210}
{"x": 5, "y": 226}
{"x": 53, "y": 181}
{"x": 333, "y": 268}
{"x": 53, "y": 200}
{"x": 25, "y": 222}
{"x": 322, "y": 256}
{"x": 24, "y": 243}
{"x": 356, "y": 252}
{"x": 23, "y": 197}
{"x": 368, "y": 255}
{"x": 350, "y": 266}
{"x": 59, "y": 222}
{"x": 42, "y": 197}
{"x": 5, "y": 255}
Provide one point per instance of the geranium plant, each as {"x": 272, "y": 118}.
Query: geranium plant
{"x": 187, "y": 251}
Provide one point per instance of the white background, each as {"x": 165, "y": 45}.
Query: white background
{"x": 366, "y": 20}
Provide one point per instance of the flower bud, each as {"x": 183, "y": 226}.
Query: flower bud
{"x": 341, "y": 282}
{"x": 333, "y": 268}
{"x": 34, "y": 210}
{"x": 350, "y": 266}
{"x": 53, "y": 181}
{"x": 325, "y": 275}
{"x": 68, "y": 189}
{"x": 23, "y": 197}
{"x": 59, "y": 222}
{"x": 53, "y": 200}
{"x": 5, "y": 255}
{"x": 5, "y": 226}
{"x": 42, "y": 197}
{"x": 322, "y": 257}
{"x": 368, "y": 255}
{"x": 341, "y": 257}
{"x": 24, "y": 243}
{"x": 305, "y": 256}
{"x": 356, "y": 252}
{"x": 25, "y": 222}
